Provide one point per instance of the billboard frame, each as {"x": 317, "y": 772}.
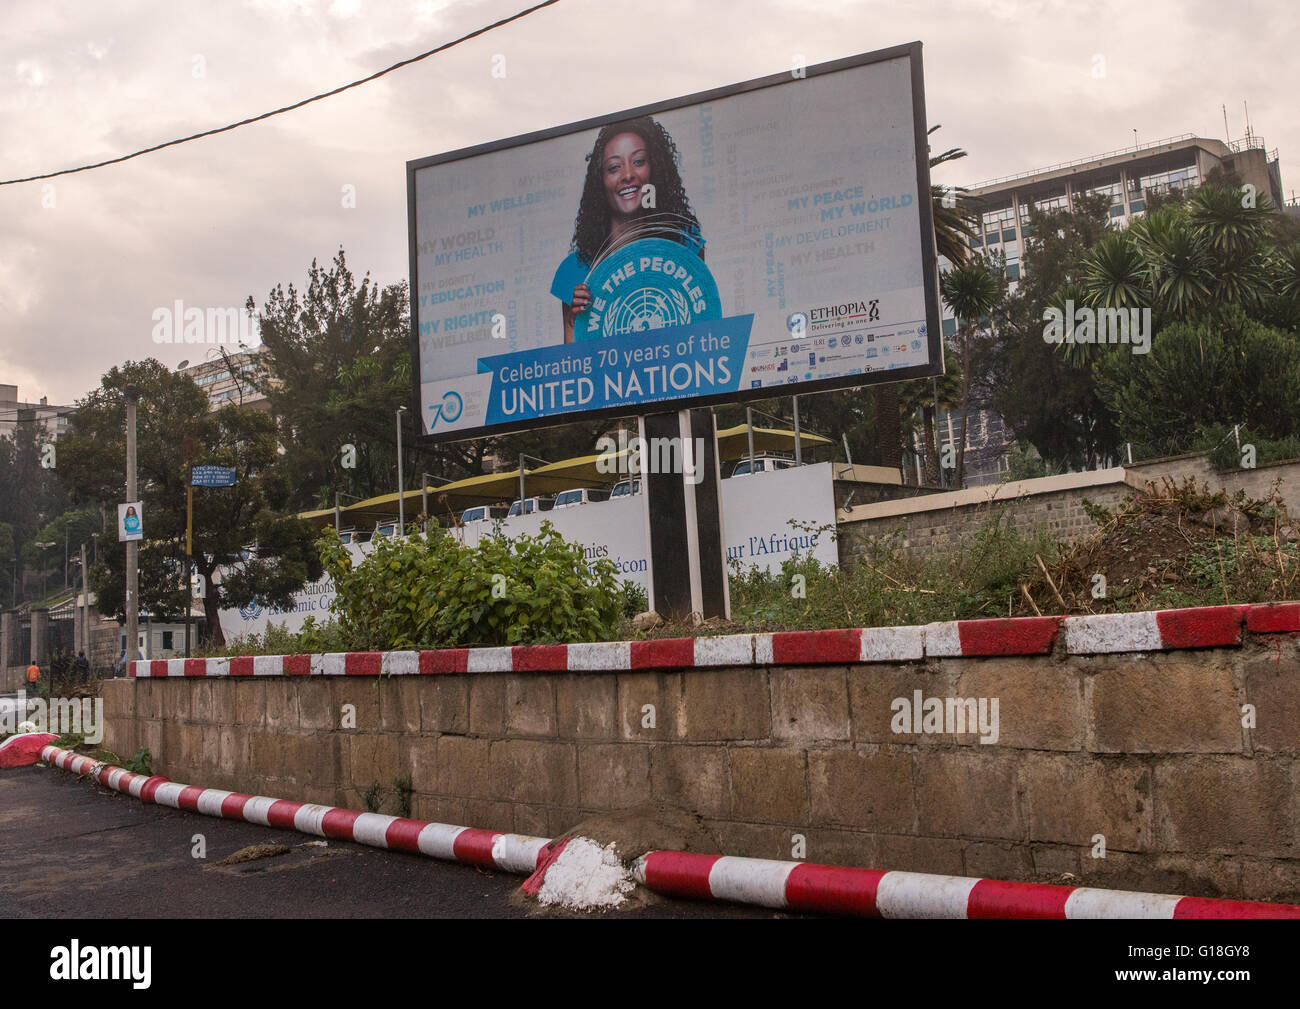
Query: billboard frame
{"x": 929, "y": 255}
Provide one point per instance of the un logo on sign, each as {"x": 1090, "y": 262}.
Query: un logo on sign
{"x": 650, "y": 284}
{"x": 252, "y": 611}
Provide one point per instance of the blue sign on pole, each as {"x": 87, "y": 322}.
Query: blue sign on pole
{"x": 212, "y": 476}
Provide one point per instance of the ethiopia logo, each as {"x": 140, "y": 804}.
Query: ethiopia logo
{"x": 653, "y": 283}
{"x": 252, "y": 611}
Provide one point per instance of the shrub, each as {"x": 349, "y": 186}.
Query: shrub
{"x": 1226, "y": 456}
{"x": 885, "y": 584}
{"x": 429, "y": 591}
{"x": 311, "y": 638}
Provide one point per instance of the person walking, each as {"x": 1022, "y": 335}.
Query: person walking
{"x": 82, "y": 667}
{"x": 33, "y": 673}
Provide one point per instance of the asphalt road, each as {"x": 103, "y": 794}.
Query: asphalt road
{"x": 70, "y": 848}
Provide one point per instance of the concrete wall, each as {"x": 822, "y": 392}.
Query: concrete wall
{"x": 1148, "y": 750}
{"x": 938, "y": 522}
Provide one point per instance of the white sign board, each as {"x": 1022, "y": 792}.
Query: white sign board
{"x": 757, "y": 515}
{"x": 130, "y": 521}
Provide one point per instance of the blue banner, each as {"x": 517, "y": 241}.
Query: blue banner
{"x": 212, "y": 476}
{"x": 680, "y": 362}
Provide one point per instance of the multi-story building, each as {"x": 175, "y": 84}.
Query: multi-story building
{"x": 53, "y": 419}
{"x": 1129, "y": 177}
{"x": 228, "y": 379}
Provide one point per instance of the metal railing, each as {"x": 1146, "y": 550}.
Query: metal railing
{"x": 1083, "y": 161}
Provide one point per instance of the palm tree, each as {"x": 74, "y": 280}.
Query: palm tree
{"x": 926, "y": 397}
{"x": 952, "y": 229}
{"x": 1187, "y": 260}
{"x": 972, "y": 292}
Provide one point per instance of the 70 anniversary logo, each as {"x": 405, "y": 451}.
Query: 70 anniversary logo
{"x": 449, "y": 409}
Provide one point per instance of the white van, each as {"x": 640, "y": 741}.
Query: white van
{"x": 762, "y": 464}
{"x": 528, "y": 506}
{"x": 580, "y": 496}
{"x": 483, "y": 513}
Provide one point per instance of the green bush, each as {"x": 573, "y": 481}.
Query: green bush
{"x": 429, "y": 591}
{"x": 312, "y": 638}
{"x": 1225, "y": 455}
{"x": 885, "y": 584}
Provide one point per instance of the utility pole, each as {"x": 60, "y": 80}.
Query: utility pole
{"x": 132, "y": 546}
{"x": 187, "y": 449}
{"x": 84, "y": 609}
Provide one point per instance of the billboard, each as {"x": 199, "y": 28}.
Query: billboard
{"x": 768, "y": 238}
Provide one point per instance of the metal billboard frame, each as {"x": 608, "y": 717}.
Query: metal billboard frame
{"x": 929, "y": 256}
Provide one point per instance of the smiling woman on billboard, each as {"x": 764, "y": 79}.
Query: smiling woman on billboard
{"x": 633, "y": 210}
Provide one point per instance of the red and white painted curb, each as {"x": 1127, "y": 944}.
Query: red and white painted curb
{"x": 24, "y": 749}
{"x": 486, "y": 848}
{"x": 796, "y": 886}
{"x": 873, "y": 893}
{"x": 1161, "y": 630}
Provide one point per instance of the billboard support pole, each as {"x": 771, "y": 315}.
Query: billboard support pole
{"x": 749, "y": 430}
{"x": 798, "y": 448}
{"x": 683, "y": 507}
{"x": 521, "y": 482}
{"x": 401, "y": 483}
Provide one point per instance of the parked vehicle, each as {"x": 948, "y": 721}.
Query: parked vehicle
{"x": 383, "y": 529}
{"x": 528, "y": 506}
{"x": 483, "y": 513}
{"x": 355, "y": 535}
{"x": 626, "y": 488}
{"x": 580, "y": 496}
{"x": 762, "y": 464}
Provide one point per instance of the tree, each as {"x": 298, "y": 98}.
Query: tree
{"x": 1188, "y": 260}
{"x": 1219, "y": 371}
{"x": 1047, "y": 398}
{"x": 973, "y": 291}
{"x": 953, "y": 211}
{"x": 335, "y": 368}
{"x": 246, "y": 544}
{"x": 923, "y": 397}
{"x": 30, "y": 496}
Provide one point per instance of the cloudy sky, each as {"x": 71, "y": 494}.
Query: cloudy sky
{"x": 83, "y": 265}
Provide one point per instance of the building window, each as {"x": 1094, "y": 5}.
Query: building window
{"x": 167, "y": 641}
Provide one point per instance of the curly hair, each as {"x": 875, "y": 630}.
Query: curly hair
{"x": 591, "y": 231}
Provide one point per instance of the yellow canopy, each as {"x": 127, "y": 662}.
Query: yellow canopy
{"x": 733, "y": 442}
{"x": 450, "y": 499}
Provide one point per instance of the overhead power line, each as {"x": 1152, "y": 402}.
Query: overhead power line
{"x": 296, "y": 105}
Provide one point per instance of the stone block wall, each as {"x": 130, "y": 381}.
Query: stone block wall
{"x": 1185, "y": 762}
